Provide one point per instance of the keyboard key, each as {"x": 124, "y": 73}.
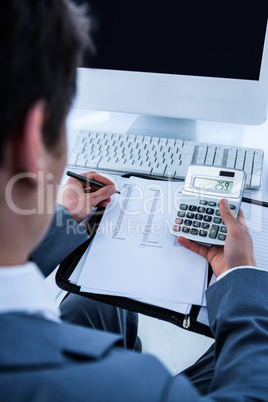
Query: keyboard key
{"x": 192, "y": 208}
{"x": 159, "y": 170}
{"x": 181, "y": 171}
{"x": 255, "y": 181}
{"x": 196, "y": 224}
{"x": 203, "y": 233}
{"x": 223, "y": 229}
{"x": 189, "y": 215}
{"x": 221, "y": 237}
{"x": 203, "y": 202}
{"x": 185, "y": 229}
{"x": 181, "y": 214}
{"x": 187, "y": 222}
{"x": 201, "y": 210}
{"x": 217, "y": 220}
{"x": 213, "y": 231}
{"x": 212, "y": 204}
{"x": 210, "y": 211}
{"x": 205, "y": 225}
{"x": 176, "y": 228}
{"x": 207, "y": 218}
{"x": 199, "y": 217}
{"x": 138, "y": 169}
{"x": 194, "y": 231}
{"x": 178, "y": 221}
{"x": 184, "y": 207}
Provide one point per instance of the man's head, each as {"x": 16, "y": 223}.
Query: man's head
{"x": 41, "y": 43}
{"x": 40, "y": 46}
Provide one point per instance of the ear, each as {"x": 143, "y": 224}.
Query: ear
{"x": 28, "y": 151}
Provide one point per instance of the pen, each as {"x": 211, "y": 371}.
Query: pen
{"x": 88, "y": 181}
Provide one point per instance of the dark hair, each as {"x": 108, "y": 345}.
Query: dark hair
{"x": 41, "y": 44}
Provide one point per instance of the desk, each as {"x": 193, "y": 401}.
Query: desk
{"x": 210, "y": 132}
{"x": 175, "y": 347}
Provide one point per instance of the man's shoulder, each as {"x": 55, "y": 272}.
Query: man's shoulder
{"x": 73, "y": 363}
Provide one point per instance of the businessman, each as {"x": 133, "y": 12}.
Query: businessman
{"x": 41, "y": 357}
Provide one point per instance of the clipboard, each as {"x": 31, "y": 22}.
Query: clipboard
{"x": 186, "y": 321}
{"x": 66, "y": 268}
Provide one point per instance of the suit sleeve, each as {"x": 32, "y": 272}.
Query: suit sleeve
{"x": 238, "y": 314}
{"x": 63, "y": 236}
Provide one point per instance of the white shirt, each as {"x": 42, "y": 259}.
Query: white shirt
{"x": 24, "y": 289}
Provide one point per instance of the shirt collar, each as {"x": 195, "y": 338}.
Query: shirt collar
{"x": 24, "y": 289}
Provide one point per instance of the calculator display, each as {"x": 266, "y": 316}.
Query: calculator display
{"x": 212, "y": 184}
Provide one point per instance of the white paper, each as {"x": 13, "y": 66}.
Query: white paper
{"x": 133, "y": 253}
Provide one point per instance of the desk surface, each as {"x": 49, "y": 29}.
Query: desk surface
{"x": 183, "y": 347}
{"x": 210, "y": 132}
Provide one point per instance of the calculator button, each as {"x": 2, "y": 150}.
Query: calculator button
{"x": 192, "y": 208}
{"x": 201, "y": 210}
{"x": 189, "y": 215}
{"x": 194, "y": 231}
{"x": 210, "y": 211}
{"x": 207, "y": 218}
{"x": 183, "y": 207}
{"x": 185, "y": 230}
{"x": 217, "y": 220}
{"x": 203, "y": 233}
{"x": 196, "y": 224}
{"x": 223, "y": 229}
{"x": 203, "y": 202}
{"x": 213, "y": 231}
{"x": 198, "y": 217}
{"x": 231, "y": 206}
{"x": 221, "y": 237}
{"x": 212, "y": 204}
{"x": 178, "y": 221}
{"x": 181, "y": 214}
{"x": 187, "y": 222}
{"x": 205, "y": 225}
{"x": 217, "y": 213}
{"x": 176, "y": 228}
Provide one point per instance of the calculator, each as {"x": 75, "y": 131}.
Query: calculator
{"x": 198, "y": 217}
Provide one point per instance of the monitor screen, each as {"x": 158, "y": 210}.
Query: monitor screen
{"x": 175, "y": 37}
{"x": 185, "y": 60}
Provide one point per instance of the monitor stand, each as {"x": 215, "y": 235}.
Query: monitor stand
{"x": 167, "y": 127}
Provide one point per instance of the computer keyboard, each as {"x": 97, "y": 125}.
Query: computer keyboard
{"x": 160, "y": 157}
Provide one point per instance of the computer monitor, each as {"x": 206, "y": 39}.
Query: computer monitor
{"x": 177, "y": 59}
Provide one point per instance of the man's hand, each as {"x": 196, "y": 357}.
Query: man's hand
{"x": 79, "y": 199}
{"x": 238, "y": 248}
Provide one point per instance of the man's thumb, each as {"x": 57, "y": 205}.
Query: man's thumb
{"x": 226, "y": 214}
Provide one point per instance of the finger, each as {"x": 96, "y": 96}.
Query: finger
{"x": 241, "y": 218}
{"x": 195, "y": 247}
{"x": 103, "y": 194}
{"x": 226, "y": 214}
{"x": 71, "y": 182}
{"x": 97, "y": 177}
{"x": 104, "y": 204}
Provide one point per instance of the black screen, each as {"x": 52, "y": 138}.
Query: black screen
{"x": 179, "y": 37}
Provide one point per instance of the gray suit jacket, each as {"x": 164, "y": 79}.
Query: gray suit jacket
{"x": 45, "y": 361}
{"x": 63, "y": 236}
